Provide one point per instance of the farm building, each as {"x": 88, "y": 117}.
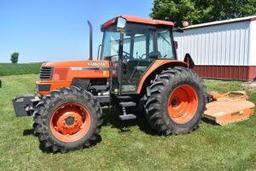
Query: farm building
{"x": 221, "y": 50}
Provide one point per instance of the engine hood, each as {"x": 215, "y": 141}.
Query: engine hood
{"x": 77, "y": 63}
{"x": 64, "y": 73}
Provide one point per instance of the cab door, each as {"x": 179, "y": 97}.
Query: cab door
{"x": 137, "y": 48}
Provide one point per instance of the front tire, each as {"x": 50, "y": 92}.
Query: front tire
{"x": 175, "y": 101}
{"x": 67, "y": 119}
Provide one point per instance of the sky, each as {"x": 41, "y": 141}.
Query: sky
{"x": 52, "y": 30}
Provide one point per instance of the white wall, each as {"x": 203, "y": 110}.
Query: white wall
{"x": 226, "y": 44}
{"x": 252, "y": 40}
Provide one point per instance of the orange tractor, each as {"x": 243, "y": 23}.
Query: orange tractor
{"x": 137, "y": 69}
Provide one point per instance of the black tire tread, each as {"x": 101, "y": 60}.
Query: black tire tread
{"x": 152, "y": 100}
{"x": 40, "y": 119}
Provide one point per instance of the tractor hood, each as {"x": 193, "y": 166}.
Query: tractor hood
{"x": 77, "y": 63}
{"x": 67, "y": 71}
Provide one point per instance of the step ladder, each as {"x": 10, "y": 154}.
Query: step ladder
{"x": 124, "y": 105}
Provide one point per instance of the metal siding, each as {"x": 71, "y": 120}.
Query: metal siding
{"x": 252, "y": 43}
{"x": 225, "y": 44}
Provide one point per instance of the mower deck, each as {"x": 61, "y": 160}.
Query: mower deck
{"x": 229, "y": 108}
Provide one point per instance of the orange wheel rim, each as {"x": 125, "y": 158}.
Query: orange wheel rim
{"x": 70, "y": 122}
{"x": 182, "y": 104}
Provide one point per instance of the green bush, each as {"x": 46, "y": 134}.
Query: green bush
{"x": 15, "y": 57}
{"x": 18, "y": 69}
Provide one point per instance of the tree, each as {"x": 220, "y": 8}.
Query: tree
{"x": 15, "y": 57}
{"x": 200, "y": 11}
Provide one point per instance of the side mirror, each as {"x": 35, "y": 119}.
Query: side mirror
{"x": 121, "y": 23}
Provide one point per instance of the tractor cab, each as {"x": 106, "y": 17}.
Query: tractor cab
{"x": 132, "y": 45}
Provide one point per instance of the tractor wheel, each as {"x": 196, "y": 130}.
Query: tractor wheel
{"x": 67, "y": 119}
{"x": 175, "y": 101}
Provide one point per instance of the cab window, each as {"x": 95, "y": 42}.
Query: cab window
{"x": 111, "y": 45}
{"x": 164, "y": 43}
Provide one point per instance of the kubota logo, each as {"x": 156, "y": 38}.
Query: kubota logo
{"x": 96, "y": 63}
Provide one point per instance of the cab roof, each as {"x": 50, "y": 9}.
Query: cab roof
{"x": 138, "y": 20}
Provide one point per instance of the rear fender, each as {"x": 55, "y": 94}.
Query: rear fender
{"x": 154, "y": 69}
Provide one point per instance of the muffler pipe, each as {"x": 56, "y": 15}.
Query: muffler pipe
{"x": 90, "y": 40}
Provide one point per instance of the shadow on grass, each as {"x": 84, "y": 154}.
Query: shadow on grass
{"x": 111, "y": 118}
{"x": 28, "y": 132}
{"x": 210, "y": 122}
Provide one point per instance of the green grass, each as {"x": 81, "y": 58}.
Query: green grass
{"x": 17, "y": 69}
{"x": 211, "y": 147}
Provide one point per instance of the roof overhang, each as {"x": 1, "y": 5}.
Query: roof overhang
{"x": 139, "y": 20}
{"x": 208, "y": 24}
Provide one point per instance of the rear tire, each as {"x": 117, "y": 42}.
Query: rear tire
{"x": 67, "y": 119}
{"x": 175, "y": 101}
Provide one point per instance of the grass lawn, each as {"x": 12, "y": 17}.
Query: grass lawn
{"x": 17, "y": 69}
{"x": 211, "y": 147}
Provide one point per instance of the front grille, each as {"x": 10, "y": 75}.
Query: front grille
{"x": 46, "y": 73}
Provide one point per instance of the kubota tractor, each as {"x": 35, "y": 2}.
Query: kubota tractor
{"x": 137, "y": 69}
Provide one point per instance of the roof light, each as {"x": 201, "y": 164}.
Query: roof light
{"x": 185, "y": 24}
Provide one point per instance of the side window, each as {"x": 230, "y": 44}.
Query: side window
{"x": 114, "y": 46}
{"x": 111, "y": 44}
{"x": 164, "y": 44}
{"x": 143, "y": 45}
{"x": 139, "y": 50}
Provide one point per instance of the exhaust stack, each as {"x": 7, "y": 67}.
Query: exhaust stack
{"x": 90, "y": 40}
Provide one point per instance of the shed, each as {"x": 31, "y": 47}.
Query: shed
{"x": 222, "y": 49}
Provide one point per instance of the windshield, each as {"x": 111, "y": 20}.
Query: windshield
{"x": 138, "y": 43}
{"x": 110, "y": 44}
